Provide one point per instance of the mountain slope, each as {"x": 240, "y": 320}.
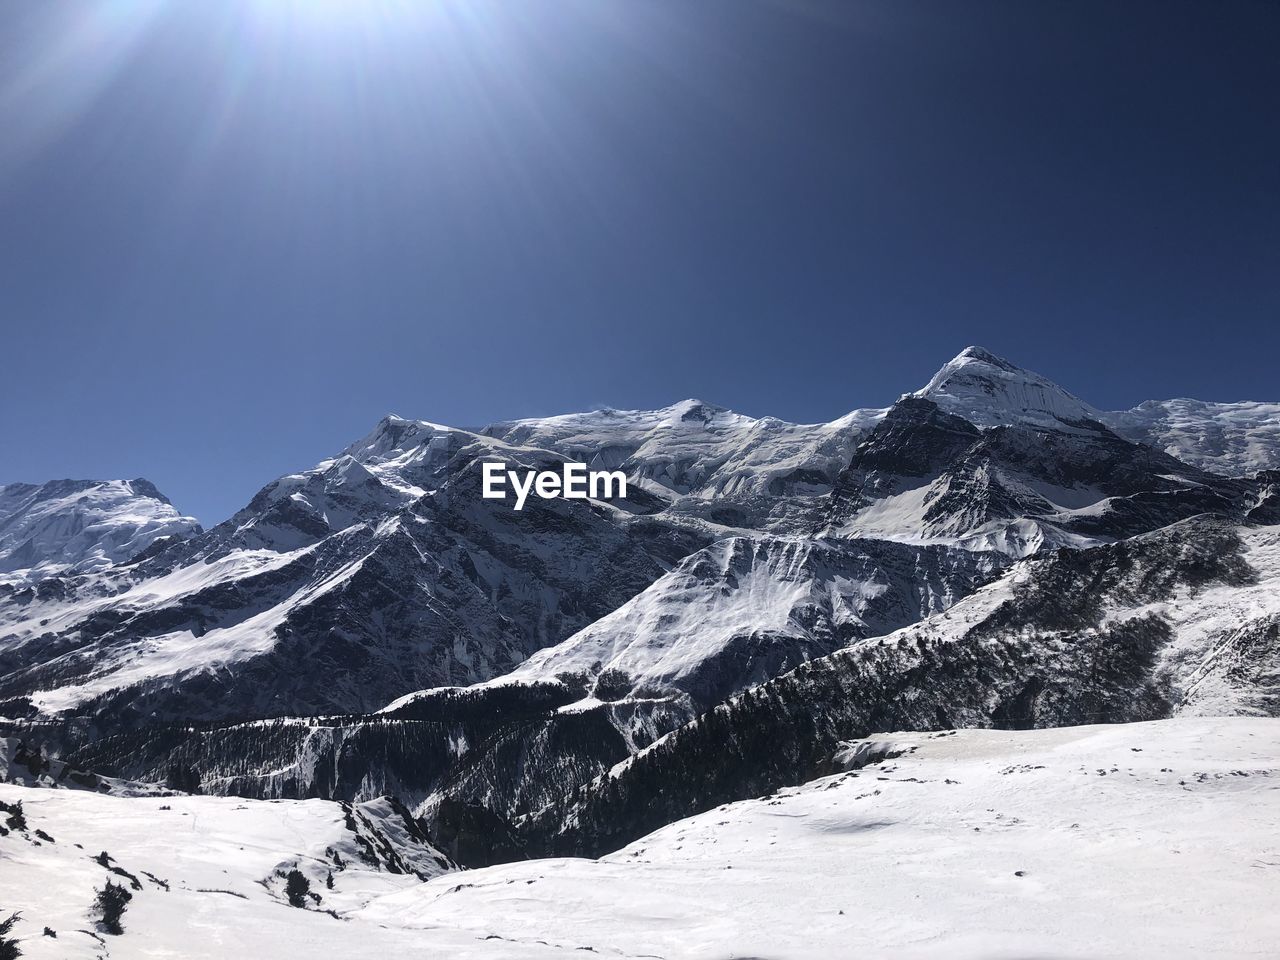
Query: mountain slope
{"x": 1131, "y": 631}
{"x": 201, "y": 871}
{"x": 974, "y": 844}
{"x": 449, "y": 590}
{"x": 989, "y": 391}
{"x": 968, "y": 844}
{"x": 384, "y": 568}
{"x": 923, "y": 475}
{"x": 1231, "y": 439}
{"x": 1228, "y": 438}
{"x": 79, "y": 525}
{"x": 697, "y": 460}
{"x": 746, "y": 609}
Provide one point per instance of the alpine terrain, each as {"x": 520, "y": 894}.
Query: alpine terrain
{"x": 985, "y": 672}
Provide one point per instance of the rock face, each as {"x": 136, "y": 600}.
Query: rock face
{"x": 373, "y": 625}
{"x": 79, "y": 525}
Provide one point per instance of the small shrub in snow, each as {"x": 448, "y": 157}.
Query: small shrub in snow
{"x": 296, "y": 888}
{"x": 17, "y": 820}
{"x": 111, "y": 903}
{"x": 9, "y": 945}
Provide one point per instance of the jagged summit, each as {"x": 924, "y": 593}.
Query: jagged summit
{"x": 982, "y": 354}
{"x": 391, "y": 434}
{"x": 75, "y": 525}
{"x": 990, "y": 391}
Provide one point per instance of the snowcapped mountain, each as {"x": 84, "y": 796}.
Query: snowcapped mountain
{"x": 81, "y": 525}
{"x": 923, "y": 475}
{"x": 1182, "y": 621}
{"x": 448, "y": 588}
{"x": 704, "y": 460}
{"x": 989, "y": 391}
{"x": 373, "y": 625}
{"x": 1228, "y": 438}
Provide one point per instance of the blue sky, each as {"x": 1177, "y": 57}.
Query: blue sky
{"x": 234, "y": 234}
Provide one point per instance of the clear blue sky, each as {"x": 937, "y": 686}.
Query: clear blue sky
{"x": 233, "y": 234}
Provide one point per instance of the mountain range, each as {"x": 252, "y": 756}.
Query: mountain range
{"x": 989, "y": 550}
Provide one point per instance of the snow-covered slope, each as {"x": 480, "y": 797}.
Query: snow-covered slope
{"x": 1151, "y": 839}
{"x": 971, "y": 844}
{"x": 383, "y": 566}
{"x": 923, "y": 475}
{"x": 746, "y": 609}
{"x": 25, "y": 766}
{"x": 79, "y": 525}
{"x": 334, "y": 590}
{"x": 989, "y": 391}
{"x": 1182, "y": 620}
{"x": 207, "y": 874}
{"x": 1227, "y": 438}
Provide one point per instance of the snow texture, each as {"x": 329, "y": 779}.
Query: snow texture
{"x": 80, "y": 525}
{"x": 1149, "y": 839}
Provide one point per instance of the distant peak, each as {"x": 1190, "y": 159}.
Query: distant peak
{"x": 692, "y": 404}
{"x": 693, "y": 410}
{"x": 390, "y": 434}
{"x": 988, "y": 390}
{"x": 984, "y": 355}
{"x": 145, "y": 488}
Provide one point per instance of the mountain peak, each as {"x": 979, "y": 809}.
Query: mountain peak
{"x": 983, "y": 355}
{"x": 391, "y": 435}
{"x": 988, "y": 391}
{"x": 81, "y": 525}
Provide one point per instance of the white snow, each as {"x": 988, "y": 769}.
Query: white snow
{"x": 1229, "y": 438}
{"x": 177, "y": 653}
{"x": 1153, "y": 839}
{"x": 801, "y": 589}
{"x": 80, "y": 525}
{"x": 224, "y": 860}
{"x": 1202, "y": 622}
{"x": 901, "y": 517}
{"x": 989, "y": 391}
{"x": 669, "y": 630}
{"x": 695, "y": 448}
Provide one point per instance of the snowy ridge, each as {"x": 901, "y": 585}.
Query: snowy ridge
{"x": 385, "y": 562}
{"x": 81, "y": 525}
{"x": 1232, "y": 439}
{"x": 696, "y": 448}
{"x": 1222, "y": 653}
{"x": 1227, "y": 438}
{"x": 989, "y": 391}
